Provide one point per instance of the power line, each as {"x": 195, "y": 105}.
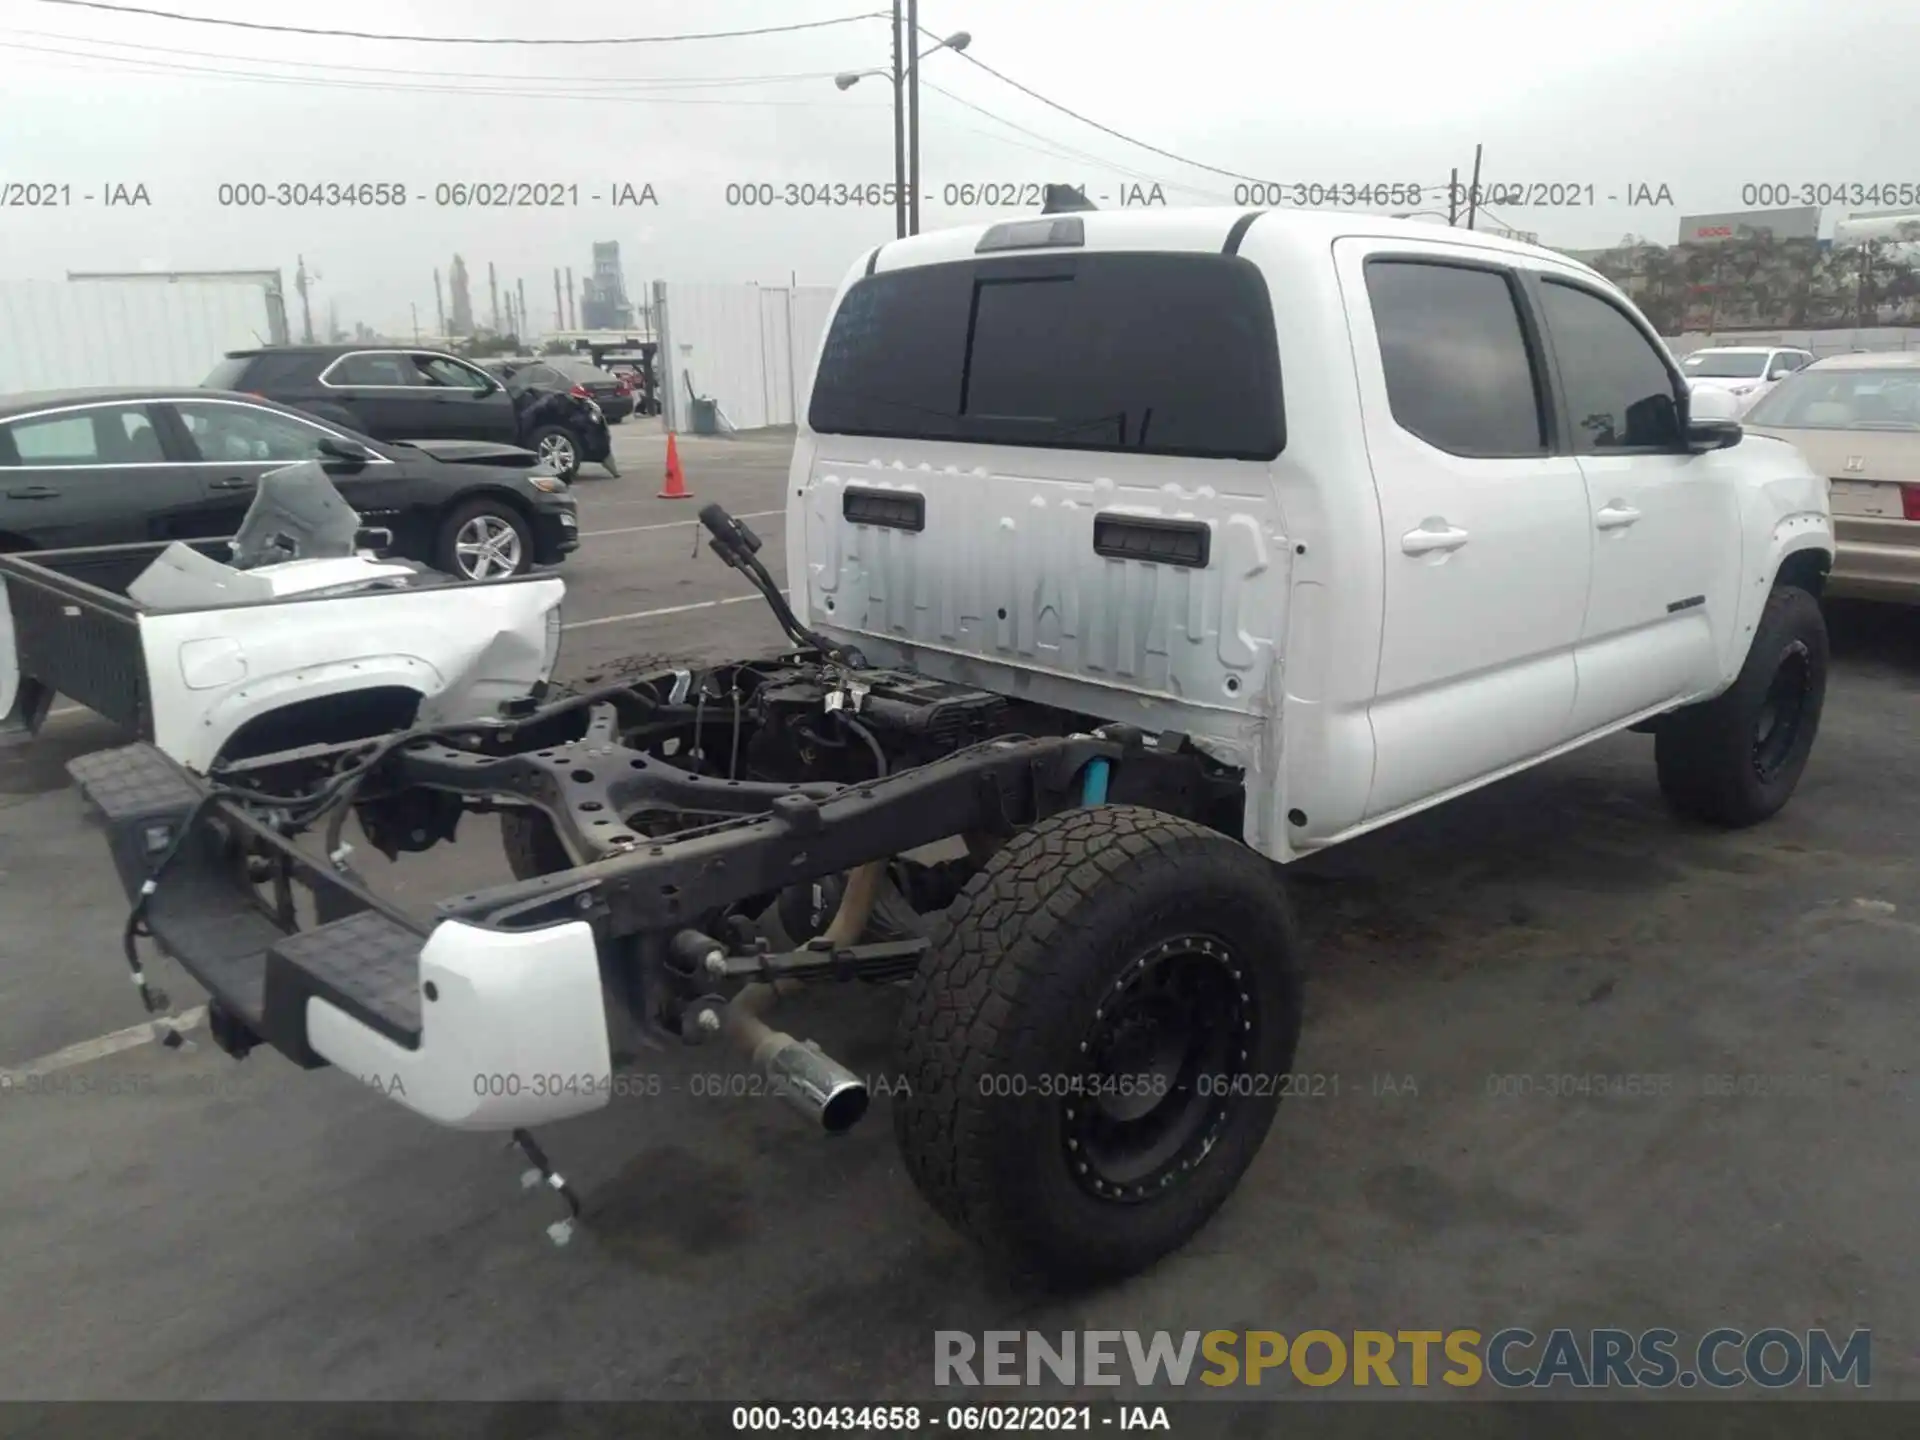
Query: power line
{"x": 968, "y": 56}
{"x": 1061, "y": 151}
{"x": 971, "y": 59}
{"x": 688, "y": 82}
{"x": 458, "y": 39}
{"x": 164, "y": 68}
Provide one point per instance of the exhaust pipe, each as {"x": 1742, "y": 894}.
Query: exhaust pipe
{"x": 815, "y": 1084}
{"x": 811, "y": 1081}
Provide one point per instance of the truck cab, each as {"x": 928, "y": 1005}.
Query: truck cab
{"x": 1374, "y": 512}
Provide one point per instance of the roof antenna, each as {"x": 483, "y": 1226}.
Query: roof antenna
{"x": 1063, "y": 199}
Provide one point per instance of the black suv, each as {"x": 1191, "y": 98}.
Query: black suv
{"x": 398, "y": 393}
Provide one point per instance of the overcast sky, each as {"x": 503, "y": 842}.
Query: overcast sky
{"x": 1703, "y": 97}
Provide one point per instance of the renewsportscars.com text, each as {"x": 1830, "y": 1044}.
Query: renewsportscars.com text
{"x": 1514, "y": 1358}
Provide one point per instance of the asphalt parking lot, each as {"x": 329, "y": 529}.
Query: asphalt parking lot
{"x": 179, "y": 1226}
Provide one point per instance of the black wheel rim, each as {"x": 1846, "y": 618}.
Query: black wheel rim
{"x": 1783, "y": 713}
{"x": 1163, "y": 1064}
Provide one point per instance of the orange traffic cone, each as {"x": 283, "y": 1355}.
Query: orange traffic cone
{"x": 676, "y": 488}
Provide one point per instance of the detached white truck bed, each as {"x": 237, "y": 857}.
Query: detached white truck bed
{"x": 1138, "y": 553}
{"x": 288, "y": 654}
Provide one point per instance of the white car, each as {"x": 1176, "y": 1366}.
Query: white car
{"x": 1133, "y": 555}
{"x": 1745, "y": 371}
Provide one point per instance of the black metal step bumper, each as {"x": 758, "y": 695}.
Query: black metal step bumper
{"x": 470, "y": 1026}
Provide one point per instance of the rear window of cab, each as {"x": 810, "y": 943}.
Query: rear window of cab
{"x": 1149, "y": 353}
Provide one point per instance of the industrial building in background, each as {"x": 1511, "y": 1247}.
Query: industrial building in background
{"x": 1800, "y": 223}
{"x": 603, "y": 301}
{"x": 460, "y": 322}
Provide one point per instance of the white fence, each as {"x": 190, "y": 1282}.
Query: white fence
{"x": 751, "y": 348}
{"x": 57, "y": 335}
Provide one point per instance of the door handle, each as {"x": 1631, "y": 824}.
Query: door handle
{"x": 232, "y": 482}
{"x": 34, "y": 492}
{"x": 1615, "y": 515}
{"x": 1431, "y": 536}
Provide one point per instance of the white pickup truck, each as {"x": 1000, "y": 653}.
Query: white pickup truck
{"x": 1131, "y": 553}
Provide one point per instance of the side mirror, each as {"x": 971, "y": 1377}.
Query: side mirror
{"x": 1713, "y": 419}
{"x": 344, "y": 454}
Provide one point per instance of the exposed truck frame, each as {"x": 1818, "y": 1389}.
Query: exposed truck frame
{"x": 641, "y": 940}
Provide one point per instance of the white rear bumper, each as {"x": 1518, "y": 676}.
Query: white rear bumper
{"x": 513, "y": 1030}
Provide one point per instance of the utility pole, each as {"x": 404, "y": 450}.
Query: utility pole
{"x": 520, "y": 305}
{"x": 572, "y": 322}
{"x": 1473, "y": 193}
{"x": 439, "y": 302}
{"x": 899, "y": 132}
{"x": 493, "y": 285}
{"x": 416, "y": 321}
{"x": 913, "y": 116}
{"x": 559, "y": 306}
{"x": 1453, "y": 197}
{"x": 306, "y": 309}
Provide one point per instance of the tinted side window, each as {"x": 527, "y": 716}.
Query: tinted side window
{"x": 448, "y": 374}
{"x": 243, "y": 435}
{"x": 373, "y": 370}
{"x": 1619, "y": 392}
{"x": 1458, "y": 370}
{"x": 1168, "y": 354}
{"x": 107, "y": 435}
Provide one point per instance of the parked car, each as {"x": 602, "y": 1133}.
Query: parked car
{"x": 1746, "y": 371}
{"x": 1244, "y": 535}
{"x": 1857, "y": 420}
{"x": 637, "y": 367}
{"x": 96, "y": 467}
{"x": 393, "y": 393}
{"x": 613, "y": 393}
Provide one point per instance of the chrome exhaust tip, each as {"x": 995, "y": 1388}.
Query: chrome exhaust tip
{"x": 814, "y": 1083}
{"x": 807, "y": 1078}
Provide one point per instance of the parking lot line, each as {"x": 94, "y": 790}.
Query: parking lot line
{"x": 664, "y": 610}
{"x": 84, "y": 1052}
{"x": 672, "y": 524}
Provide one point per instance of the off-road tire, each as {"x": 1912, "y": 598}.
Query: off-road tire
{"x": 533, "y": 849}
{"x": 997, "y": 1013}
{"x": 1707, "y": 755}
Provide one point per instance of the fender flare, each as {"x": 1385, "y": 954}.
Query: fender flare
{"x": 1804, "y": 533}
{"x": 255, "y": 697}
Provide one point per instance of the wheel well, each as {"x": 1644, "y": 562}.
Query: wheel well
{"x": 1805, "y": 570}
{"x": 325, "y": 720}
{"x": 516, "y": 503}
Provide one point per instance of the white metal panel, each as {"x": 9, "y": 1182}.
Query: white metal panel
{"x": 1006, "y": 570}
{"x": 56, "y": 335}
{"x": 750, "y": 347}
{"x": 776, "y": 356}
